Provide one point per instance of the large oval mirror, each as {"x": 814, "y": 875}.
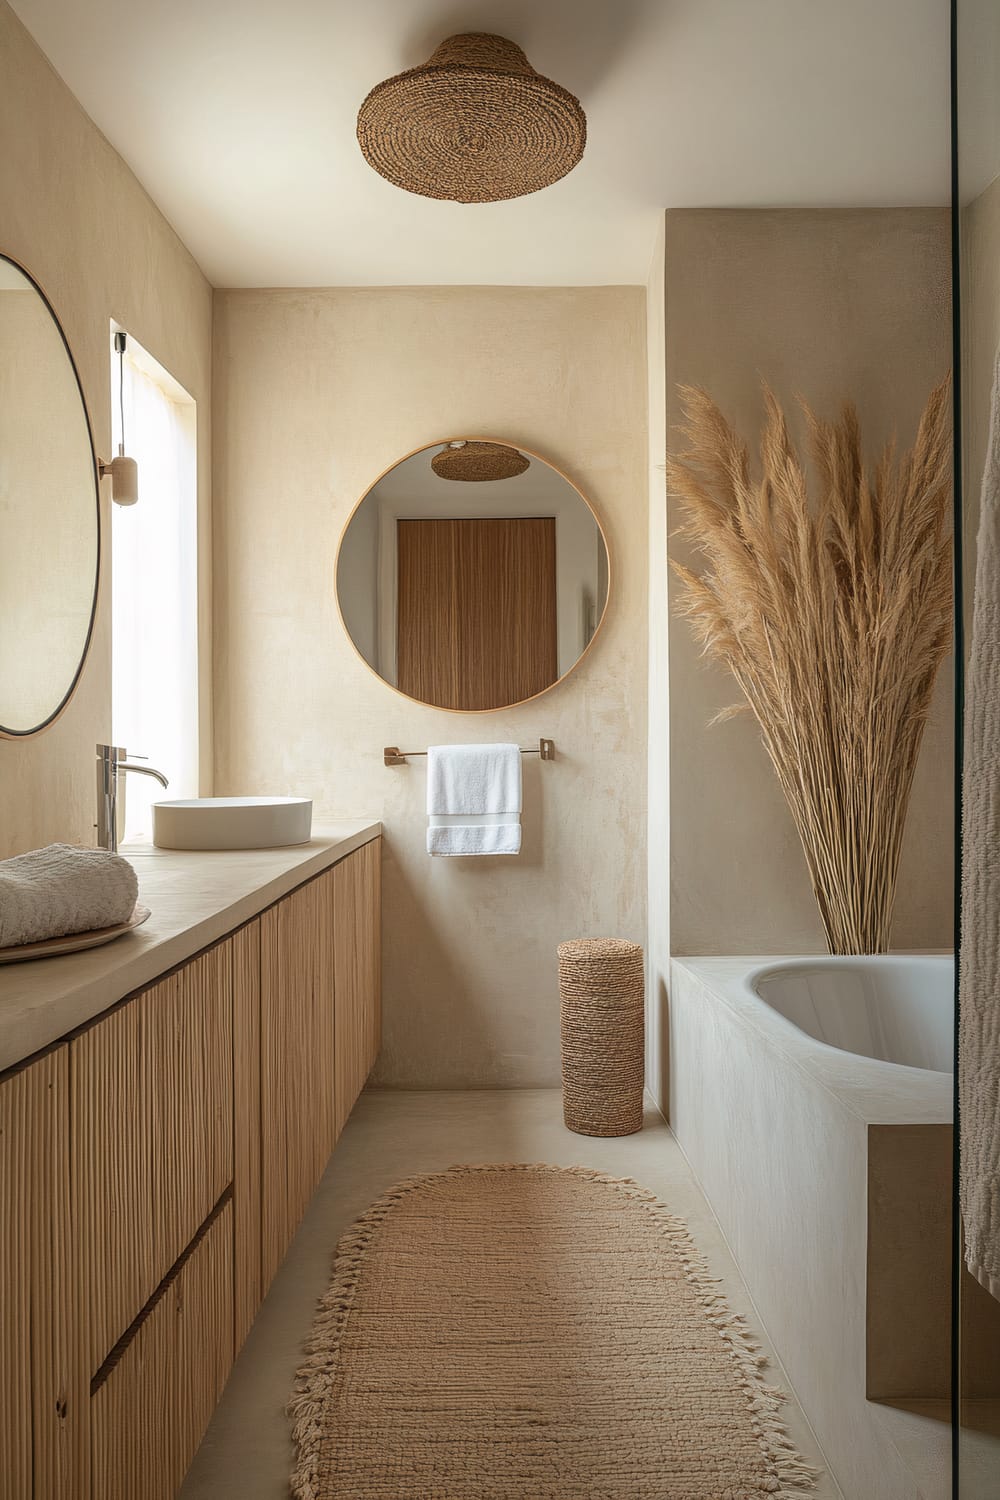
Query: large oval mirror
{"x": 49, "y": 515}
{"x": 473, "y": 575}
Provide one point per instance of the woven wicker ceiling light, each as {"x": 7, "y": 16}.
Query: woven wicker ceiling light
{"x": 474, "y": 124}
{"x": 478, "y": 461}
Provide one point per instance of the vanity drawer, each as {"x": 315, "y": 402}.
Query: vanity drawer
{"x": 152, "y": 1107}
{"x": 152, "y": 1405}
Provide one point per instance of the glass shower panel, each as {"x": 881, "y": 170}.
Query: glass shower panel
{"x": 977, "y": 200}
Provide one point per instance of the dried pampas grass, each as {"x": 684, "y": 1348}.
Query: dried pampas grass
{"x": 834, "y": 616}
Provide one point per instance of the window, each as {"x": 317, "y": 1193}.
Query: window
{"x": 154, "y": 561}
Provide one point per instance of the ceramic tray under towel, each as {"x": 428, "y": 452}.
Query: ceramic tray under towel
{"x": 73, "y": 942}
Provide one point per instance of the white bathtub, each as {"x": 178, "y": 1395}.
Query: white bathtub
{"x": 813, "y": 1099}
{"x": 895, "y": 1009}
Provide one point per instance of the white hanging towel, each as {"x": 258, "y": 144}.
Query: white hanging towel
{"x": 473, "y": 799}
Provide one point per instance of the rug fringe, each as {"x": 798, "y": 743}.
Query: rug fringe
{"x": 791, "y": 1475}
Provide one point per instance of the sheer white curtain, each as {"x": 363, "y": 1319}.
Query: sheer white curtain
{"x": 155, "y": 588}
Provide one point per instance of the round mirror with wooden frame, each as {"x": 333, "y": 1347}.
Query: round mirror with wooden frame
{"x": 473, "y": 575}
{"x": 50, "y": 537}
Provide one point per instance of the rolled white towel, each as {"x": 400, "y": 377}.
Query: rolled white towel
{"x": 61, "y": 889}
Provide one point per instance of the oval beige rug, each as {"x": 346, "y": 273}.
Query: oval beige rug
{"x": 532, "y": 1333}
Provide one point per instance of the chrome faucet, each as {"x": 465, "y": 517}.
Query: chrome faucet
{"x": 111, "y": 762}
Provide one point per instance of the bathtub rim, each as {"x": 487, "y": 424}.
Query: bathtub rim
{"x": 873, "y": 1091}
{"x": 849, "y": 961}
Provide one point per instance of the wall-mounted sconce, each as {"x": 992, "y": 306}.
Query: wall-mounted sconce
{"x": 124, "y": 471}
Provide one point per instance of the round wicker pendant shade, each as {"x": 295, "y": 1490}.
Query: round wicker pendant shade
{"x": 474, "y": 124}
{"x": 479, "y": 461}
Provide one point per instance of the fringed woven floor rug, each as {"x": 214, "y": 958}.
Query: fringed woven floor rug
{"x": 532, "y": 1333}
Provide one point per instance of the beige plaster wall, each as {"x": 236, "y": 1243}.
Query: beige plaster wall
{"x": 658, "y": 892}
{"x": 317, "y": 392}
{"x": 826, "y": 303}
{"x": 76, "y": 217}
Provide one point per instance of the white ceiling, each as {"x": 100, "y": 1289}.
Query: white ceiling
{"x": 238, "y": 116}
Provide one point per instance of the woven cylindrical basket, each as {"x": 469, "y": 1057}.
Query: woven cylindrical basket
{"x": 479, "y": 461}
{"x": 474, "y": 124}
{"x": 602, "y": 988}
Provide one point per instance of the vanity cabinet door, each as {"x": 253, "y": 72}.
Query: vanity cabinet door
{"x": 42, "y": 1386}
{"x": 16, "y": 1187}
{"x": 152, "y": 1139}
{"x": 110, "y": 1173}
{"x": 246, "y": 1133}
{"x": 153, "y": 1403}
{"x": 357, "y": 969}
{"x": 188, "y": 1057}
{"x": 298, "y": 1111}
{"x": 370, "y": 939}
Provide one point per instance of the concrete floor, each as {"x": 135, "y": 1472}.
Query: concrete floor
{"x": 921, "y": 1432}
{"x": 979, "y": 1450}
{"x": 246, "y": 1454}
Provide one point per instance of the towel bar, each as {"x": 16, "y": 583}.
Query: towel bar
{"x": 393, "y": 756}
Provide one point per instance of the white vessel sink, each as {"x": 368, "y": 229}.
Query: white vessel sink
{"x": 232, "y": 822}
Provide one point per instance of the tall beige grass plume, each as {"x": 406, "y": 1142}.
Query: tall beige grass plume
{"x": 833, "y": 611}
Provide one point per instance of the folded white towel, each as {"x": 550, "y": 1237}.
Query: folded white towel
{"x": 473, "y": 799}
{"x": 463, "y": 838}
{"x": 62, "y": 889}
{"x": 475, "y": 779}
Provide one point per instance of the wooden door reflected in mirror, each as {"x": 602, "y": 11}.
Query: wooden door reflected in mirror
{"x": 476, "y": 610}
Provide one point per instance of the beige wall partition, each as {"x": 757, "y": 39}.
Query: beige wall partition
{"x": 316, "y": 393}
{"x": 825, "y": 304}
{"x": 76, "y": 217}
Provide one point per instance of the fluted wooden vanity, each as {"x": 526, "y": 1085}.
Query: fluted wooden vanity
{"x": 157, "y": 1154}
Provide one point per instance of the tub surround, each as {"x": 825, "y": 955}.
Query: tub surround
{"x": 829, "y": 1172}
{"x": 195, "y": 899}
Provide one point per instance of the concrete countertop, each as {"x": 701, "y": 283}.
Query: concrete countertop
{"x": 195, "y": 898}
